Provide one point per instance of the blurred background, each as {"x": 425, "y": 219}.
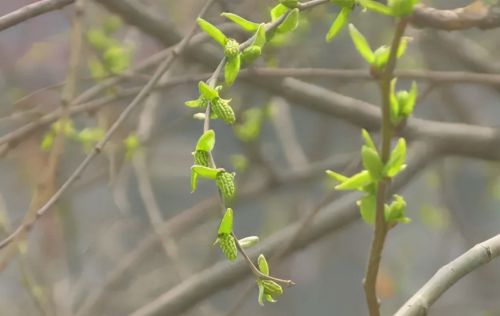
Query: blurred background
{"x": 129, "y": 229}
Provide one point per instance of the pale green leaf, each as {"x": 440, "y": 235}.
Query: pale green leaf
{"x": 232, "y": 69}
{"x": 339, "y": 23}
{"x": 212, "y": 31}
{"x": 396, "y": 160}
{"x": 244, "y": 23}
{"x": 226, "y": 224}
{"x": 206, "y": 142}
{"x": 361, "y": 44}
{"x": 356, "y": 182}
{"x": 263, "y": 266}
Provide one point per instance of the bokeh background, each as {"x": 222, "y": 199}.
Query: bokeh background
{"x": 97, "y": 253}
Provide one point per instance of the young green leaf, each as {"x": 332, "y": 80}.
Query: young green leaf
{"x": 403, "y": 45}
{"x": 395, "y": 107}
{"x": 381, "y": 56}
{"x": 206, "y": 172}
{"x": 260, "y": 298}
{"x": 278, "y": 11}
{"x": 291, "y": 22}
{"x": 232, "y": 69}
{"x": 206, "y": 142}
{"x": 194, "y": 180}
{"x": 226, "y": 224}
{"x": 193, "y": 103}
{"x": 356, "y": 182}
{"x": 368, "y": 139}
{"x": 407, "y": 108}
{"x": 244, "y": 23}
{"x": 395, "y": 212}
{"x": 339, "y": 23}
{"x": 375, "y": 6}
{"x": 260, "y": 36}
{"x": 361, "y": 44}
{"x": 207, "y": 92}
{"x": 336, "y": 176}
{"x": 212, "y": 31}
{"x": 263, "y": 266}
{"x": 372, "y": 162}
{"x": 367, "y": 208}
{"x": 396, "y": 159}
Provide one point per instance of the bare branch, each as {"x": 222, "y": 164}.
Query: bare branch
{"x": 477, "y": 14}
{"x": 31, "y": 11}
{"x": 448, "y": 275}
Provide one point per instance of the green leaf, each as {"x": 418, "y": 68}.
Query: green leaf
{"x": 260, "y": 36}
{"x": 403, "y": 45}
{"x": 226, "y": 224}
{"x": 361, "y": 44}
{"x": 336, "y": 176}
{"x": 47, "y": 141}
{"x": 375, "y": 6}
{"x": 368, "y": 139}
{"x": 206, "y": 142}
{"x": 339, "y": 23}
{"x": 356, "y": 182}
{"x": 194, "y": 180}
{"x": 207, "y": 92}
{"x": 394, "y": 104}
{"x": 261, "y": 294}
{"x": 263, "y": 266}
{"x": 206, "y": 172}
{"x": 395, "y": 212}
{"x": 278, "y": 11}
{"x": 396, "y": 159}
{"x": 381, "y": 56}
{"x": 372, "y": 162}
{"x": 367, "y": 208}
{"x": 249, "y": 241}
{"x": 407, "y": 108}
{"x": 232, "y": 69}
{"x": 291, "y": 22}
{"x": 193, "y": 103}
{"x": 212, "y": 31}
{"x": 244, "y": 23}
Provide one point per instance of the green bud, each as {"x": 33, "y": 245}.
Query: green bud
{"x": 232, "y": 48}
{"x": 228, "y": 246}
{"x": 223, "y": 110}
{"x": 201, "y": 158}
{"x": 249, "y": 241}
{"x": 225, "y": 181}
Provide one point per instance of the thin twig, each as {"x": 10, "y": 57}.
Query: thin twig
{"x": 30, "y": 11}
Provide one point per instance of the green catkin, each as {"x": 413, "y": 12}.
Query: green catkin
{"x": 223, "y": 110}
{"x": 225, "y": 182}
{"x": 227, "y": 245}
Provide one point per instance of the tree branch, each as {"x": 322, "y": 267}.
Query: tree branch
{"x": 476, "y": 14}
{"x": 31, "y": 11}
{"x": 448, "y": 275}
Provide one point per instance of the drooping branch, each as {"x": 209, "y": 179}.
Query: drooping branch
{"x": 224, "y": 274}
{"x": 448, "y": 275}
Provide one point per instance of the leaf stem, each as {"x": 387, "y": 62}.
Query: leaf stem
{"x": 387, "y": 132}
